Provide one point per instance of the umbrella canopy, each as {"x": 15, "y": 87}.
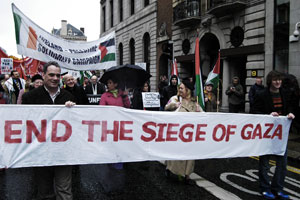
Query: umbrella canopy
{"x": 127, "y": 76}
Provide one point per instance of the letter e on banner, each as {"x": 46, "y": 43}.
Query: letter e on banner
{"x": 123, "y": 130}
{"x": 9, "y": 132}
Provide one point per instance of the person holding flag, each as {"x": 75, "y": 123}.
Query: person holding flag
{"x": 213, "y": 76}
{"x": 184, "y": 101}
{"x": 212, "y": 82}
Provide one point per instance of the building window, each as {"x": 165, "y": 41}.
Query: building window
{"x": 120, "y": 48}
{"x": 281, "y": 35}
{"x": 132, "y": 7}
{"x": 103, "y": 19}
{"x": 111, "y": 13}
{"x": 132, "y": 51}
{"x": 121, "y": 10}
{"x": 146, "y": 3}
{"x": 146, "y": 41}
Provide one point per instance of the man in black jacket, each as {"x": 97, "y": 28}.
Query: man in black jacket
{"x": 61, "y": 176}
{"x": 95, "y": 87}
{"x": 272, "y": 100}
{"x": 170, "y": 90}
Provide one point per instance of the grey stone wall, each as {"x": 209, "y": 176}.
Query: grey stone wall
{"x": 134, "y": 27}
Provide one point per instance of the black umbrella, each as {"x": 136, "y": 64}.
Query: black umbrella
{"x": 127, "y": 76}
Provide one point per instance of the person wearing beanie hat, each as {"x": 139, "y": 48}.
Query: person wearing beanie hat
{"x": 182, "y": 102}
{"x": 169, "y": 90}
{"x": 210, "y": 98}
{"x": 36, "y": 81}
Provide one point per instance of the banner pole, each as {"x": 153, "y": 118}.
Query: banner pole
{"x": 218, "y": 96}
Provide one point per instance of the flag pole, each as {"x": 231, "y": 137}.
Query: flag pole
{"x": 218, "y": 96}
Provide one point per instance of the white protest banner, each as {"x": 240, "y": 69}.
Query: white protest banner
{"x": 6, "y": 65}
{"x": 47, "y": 135}
{"x": 151, "y": 99}
{"x": 35, "y": 42}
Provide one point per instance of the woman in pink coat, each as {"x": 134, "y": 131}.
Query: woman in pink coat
{"x": 113, "y": 96}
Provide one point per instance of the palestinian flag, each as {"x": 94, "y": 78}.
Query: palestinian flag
{"x": 85, "y": 74}
{"x": 104, "y": 48}
{"x": 213, "y": 76}
{"x": 199, "y": 84}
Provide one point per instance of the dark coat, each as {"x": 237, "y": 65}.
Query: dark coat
{"x": 41, "y": 96}
{"x": 79, "y": 95}
{"x": 253, "y": 90}
{"x": 263, "y": 103}
{"x": 100, "y": 88}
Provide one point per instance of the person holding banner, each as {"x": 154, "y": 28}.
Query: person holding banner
{"x": 115, "y": 97}
{"x": 182, "y": 102}
{"x": 48, "y": 177}
{"x": 273, "y": 101}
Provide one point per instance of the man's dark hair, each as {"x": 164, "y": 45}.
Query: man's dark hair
{"x": 273, "y": 75}
{"x": 12, "y": 72}
{"x": 45, "y": 67}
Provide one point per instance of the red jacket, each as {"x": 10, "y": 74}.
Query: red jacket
{"x": 108, "y": 99}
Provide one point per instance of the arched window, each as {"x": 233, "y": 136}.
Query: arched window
{"x": 120, "y": 48}
{"x": 146, "y": 43}
{"x": 132, "y": 51}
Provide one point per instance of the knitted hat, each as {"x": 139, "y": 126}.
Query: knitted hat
{"x": 36, "y": 77}
{"x": 188, "y": 84}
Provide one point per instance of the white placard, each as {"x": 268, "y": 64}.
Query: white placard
{"x": 6, "y": 65}
{"x": 151, "y": 99}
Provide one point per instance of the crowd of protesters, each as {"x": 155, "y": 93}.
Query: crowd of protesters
{"x": 280, "y": 97}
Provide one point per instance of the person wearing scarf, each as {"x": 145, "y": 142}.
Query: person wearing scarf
{"x": 114, "y": 96}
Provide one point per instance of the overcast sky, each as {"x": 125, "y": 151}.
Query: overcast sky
{"x": 48, "y": 15}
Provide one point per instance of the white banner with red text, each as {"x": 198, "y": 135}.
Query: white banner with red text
{"x": 48, "y": 135}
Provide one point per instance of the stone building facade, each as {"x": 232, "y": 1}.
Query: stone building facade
{"x": 252, "y": 35}
{"x": 141, "y": 28}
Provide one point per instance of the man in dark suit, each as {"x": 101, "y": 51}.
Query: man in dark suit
{"x": 95, "y": 87}
{"x": 272, "y": 100}
{"x": 58, "y": 176}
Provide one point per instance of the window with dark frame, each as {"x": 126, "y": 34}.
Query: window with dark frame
{"x": 146, "y": 3}
{"x": 121, "y": 10}
{"x": 111, "y": 13}
{"x": 120, "y": 54}
{"x": 132, "y": 7}
{"x": 146, "y": 41}
{"x": 132, "y": 51}
{"x": 104, "y": 19}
